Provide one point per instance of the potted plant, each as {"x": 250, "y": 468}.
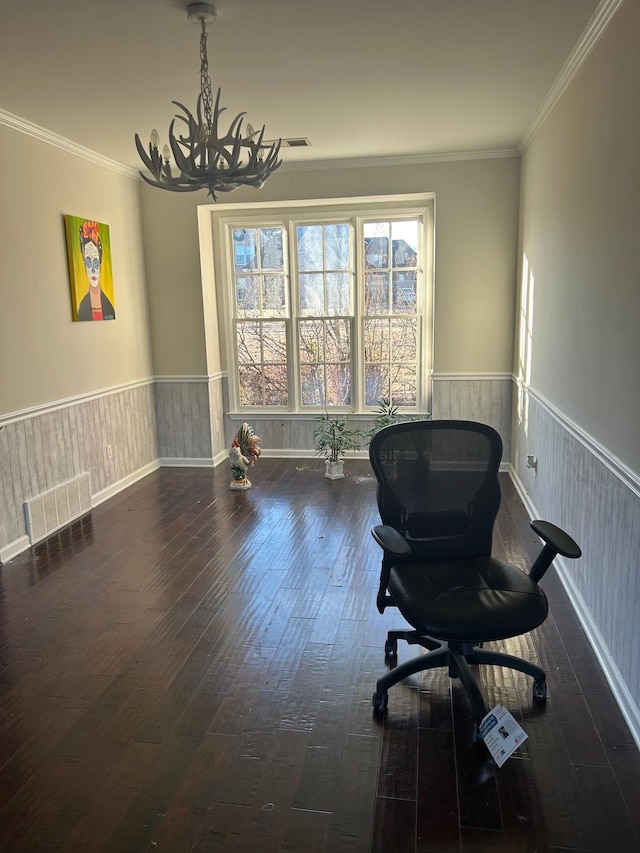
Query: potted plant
{"x": 333, "y": 438}
{"x": 386, "y": 414}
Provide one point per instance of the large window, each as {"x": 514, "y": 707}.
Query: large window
{"x": 329, "y": 311}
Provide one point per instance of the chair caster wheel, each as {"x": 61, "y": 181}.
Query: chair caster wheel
{"x": 539, "y": 691}
{"x": 379, "y": 702}
{"x": 391, "y": 649}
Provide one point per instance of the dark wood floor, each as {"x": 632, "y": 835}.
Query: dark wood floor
{"x": 191, "y": 669}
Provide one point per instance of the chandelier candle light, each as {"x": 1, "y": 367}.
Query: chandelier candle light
{"x": 205, "y": 159}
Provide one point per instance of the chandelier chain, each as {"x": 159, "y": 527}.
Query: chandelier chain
{"x": 205, "y": 80}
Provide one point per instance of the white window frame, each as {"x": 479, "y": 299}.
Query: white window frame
{"x": 358, "y": 211}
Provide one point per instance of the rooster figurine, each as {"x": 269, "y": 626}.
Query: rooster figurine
{"x": 245, "y": 449}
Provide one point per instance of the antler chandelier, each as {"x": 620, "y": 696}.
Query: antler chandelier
{"x": 204, "y": 158}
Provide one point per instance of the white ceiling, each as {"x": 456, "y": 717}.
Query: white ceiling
{"x": 359, "y": 78}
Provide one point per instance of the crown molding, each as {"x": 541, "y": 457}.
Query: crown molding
{"x": 401, "y": 160}
{"x": 588, "y": 40}
{"x": 24, "y": 126}
{"x": 44, "y": 135}
{"x": 590, "y": 37}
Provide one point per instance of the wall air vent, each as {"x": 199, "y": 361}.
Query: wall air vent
{"x": 57, "y": 507}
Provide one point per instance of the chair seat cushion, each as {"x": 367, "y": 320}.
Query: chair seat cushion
{"x": 469, "y": 600}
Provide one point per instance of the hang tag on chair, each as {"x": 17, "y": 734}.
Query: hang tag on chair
{"x": 501, "y": 733}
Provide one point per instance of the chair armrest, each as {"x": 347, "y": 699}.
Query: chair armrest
{"x": 556, "y": 542}
{"x": 560, "y": 541}
{"x": 391, "y": 540}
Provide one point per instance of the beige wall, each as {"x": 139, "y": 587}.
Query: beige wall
{"x": 170, "y": 227}
{"x": 476, "y": 236}
{"x": 581, "y": 236}
{"x": 580, "y": 415}
{"x": 44, "y": 355}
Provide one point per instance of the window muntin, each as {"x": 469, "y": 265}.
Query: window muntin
{"x": 325, "y": 362}
{"x": 261, "y": 347}
{"x": 390, "y": 326}
{"x": 337, "y": 309}
{"x": 324, "y": 274}
{"x": 261, "y": 298}
{"x": 259, "y": 272}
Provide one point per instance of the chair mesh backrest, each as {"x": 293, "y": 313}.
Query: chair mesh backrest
{"x": 438, "y": 484}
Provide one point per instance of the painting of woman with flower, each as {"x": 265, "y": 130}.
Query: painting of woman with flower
{"x": 89, "y": 252}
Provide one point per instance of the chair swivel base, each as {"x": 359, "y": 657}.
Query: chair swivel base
{"x": 457, "y": 657}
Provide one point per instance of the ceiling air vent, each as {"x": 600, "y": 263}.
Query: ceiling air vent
{"x": 299, "y": 142}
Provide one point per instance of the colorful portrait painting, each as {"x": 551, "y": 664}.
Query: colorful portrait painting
{"x": 90, "y": 273}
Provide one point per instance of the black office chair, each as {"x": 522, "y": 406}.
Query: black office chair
{"x": 438, "y": 496}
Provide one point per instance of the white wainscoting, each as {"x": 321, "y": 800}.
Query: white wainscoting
{"x": 480, "y": 397}
{"x": 45, "y": 446}
{"x": 285, "y": 436}
{"x": 596, "y": 498}
{"x": 483, "y": 397}
{"x": 174, "y": 421}
{"x": 183, "y": 418}
{"x": 190, "y": 412}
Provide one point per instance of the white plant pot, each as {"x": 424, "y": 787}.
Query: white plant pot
{"x": 334, "y": 470}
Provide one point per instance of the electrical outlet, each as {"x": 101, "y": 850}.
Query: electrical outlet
{"x": 532, "y": 461}
{"x": 109, "y": 450}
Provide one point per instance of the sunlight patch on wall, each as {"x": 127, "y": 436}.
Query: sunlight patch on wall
{"x": 525, "y": 346}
